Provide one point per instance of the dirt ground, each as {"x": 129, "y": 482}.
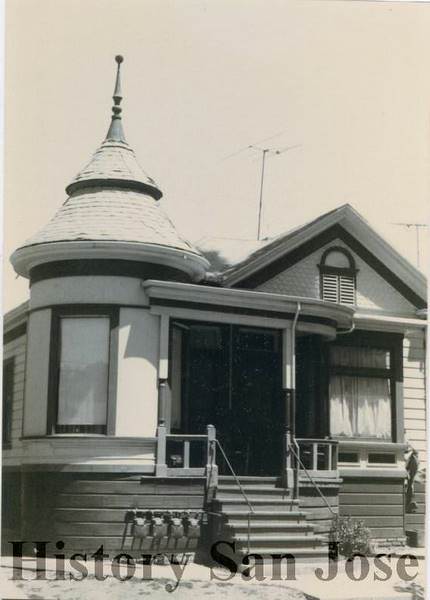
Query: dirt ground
{"x": 197, "y": 581}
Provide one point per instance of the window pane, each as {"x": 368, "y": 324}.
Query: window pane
{"x": 360, "y": 407}
{"x": 83, "y": 385}
{"x": 362, "y": 357}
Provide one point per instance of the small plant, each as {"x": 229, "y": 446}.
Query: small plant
{"x": 350, "y": 536}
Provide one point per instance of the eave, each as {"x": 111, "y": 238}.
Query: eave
{"x": 168, "y": 296}
{"x": 344, "y": 223}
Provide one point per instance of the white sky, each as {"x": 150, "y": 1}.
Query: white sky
{"x": 348, "y": 81}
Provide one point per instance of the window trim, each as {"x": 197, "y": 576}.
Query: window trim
{"x": 79, "y": 310}
{"x": 8, "y": 363}
{"x": 392, "y": 342}
{"x": 350, "y": 271}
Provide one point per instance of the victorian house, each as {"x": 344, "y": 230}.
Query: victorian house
{"x": 159, "y": 396}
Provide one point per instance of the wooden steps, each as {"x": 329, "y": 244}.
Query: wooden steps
{"x": 276, "y": 525}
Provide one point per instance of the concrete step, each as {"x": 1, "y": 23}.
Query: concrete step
{"x": 282, "y": 540}
{"x": 226, "y": 503}
{"x": 266, "y": 553}
{"x": 258, "y": 490}
{"x": 247, "y": 480}
{"x": 270, "y": 526}
{"x": 242, "y": 515}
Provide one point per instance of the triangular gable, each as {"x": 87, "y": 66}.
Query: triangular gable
{"x": 343, "y": 224}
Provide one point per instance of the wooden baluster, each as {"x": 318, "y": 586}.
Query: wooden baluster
{"x": 211, "y": 466}
{"x": 315, "y": 456}
{"x": 187, "y": 454}
{"x": 161, "y": 466}
{"x": 335, "y": 456}
{"x": 330, "y": 458}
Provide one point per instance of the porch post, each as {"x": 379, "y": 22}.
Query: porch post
{"x": 163, "y": 374}
{"x": 211, "y": 466}
{"x": 288, "y": 381}
{"x": 160, "y": 463}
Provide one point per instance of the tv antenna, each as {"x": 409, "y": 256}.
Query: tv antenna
{"x": 417, "y": 231}
{"x": 264, "y": 153}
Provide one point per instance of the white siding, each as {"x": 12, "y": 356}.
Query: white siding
{"x": 414, "y": 391}
{"x": 16, "y": 349}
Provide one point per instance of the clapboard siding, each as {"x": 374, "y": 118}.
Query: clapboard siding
{"x": 414, "y": 391}
{"x": 92, "y": 509}
{"x": 16, "y": 349}
{"x": 378, "y": 503}
{"x": 317, "y": 510}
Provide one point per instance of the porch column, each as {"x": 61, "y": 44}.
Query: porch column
{"x": 289, "y": 377}
{"x": 163, "y": 374}
{"x": 288, "y": 386}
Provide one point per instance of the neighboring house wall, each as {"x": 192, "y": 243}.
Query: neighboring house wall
{"x": 16, "y": 349}
{"x": 414, "y": 392}
{"x": 373, "y": 292}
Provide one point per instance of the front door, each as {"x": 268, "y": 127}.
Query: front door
{"x": 231, "y": 377}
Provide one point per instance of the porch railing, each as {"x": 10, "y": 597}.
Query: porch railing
{"x": 317, "y": 454}
{"x": 179, "y": 462}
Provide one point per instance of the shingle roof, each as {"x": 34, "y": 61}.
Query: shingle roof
{"x": 111, "y": 214}
{"x": 114, "y": 161}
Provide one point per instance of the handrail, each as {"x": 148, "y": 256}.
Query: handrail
{"x": 242, "y": 491}
{"x": 234, "y": 475}
{"x": 316, "y": 486}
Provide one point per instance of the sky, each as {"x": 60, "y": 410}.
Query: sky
{"x": 346, "y": 82}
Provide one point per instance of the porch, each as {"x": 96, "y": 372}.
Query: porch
{"x": 302, "y": 458}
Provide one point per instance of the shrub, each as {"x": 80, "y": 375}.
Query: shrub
{"x": 350, "y": 536}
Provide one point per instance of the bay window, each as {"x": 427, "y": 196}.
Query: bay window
{"x": 362, "y": 386}
{"x": 83, "y": 373}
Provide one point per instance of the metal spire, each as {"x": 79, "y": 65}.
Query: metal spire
{"x": 116, "y": 131}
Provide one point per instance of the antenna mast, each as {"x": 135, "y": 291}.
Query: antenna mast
{"x": 264, "y": 152}
{"x": 417, "y": 230}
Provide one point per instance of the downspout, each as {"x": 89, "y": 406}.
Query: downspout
{"x": 292, "y": 412}
{"x": 345, "y": 331}
{"x": 291, "y": 435}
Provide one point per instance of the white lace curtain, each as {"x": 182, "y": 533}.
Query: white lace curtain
{"x": 360, "y": 406}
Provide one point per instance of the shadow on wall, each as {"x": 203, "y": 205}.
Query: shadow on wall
{"x": 141, "y": 332}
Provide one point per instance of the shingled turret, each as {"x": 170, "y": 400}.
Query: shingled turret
{"x": 113, "y": 212}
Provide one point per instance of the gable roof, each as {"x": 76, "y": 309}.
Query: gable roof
{"x": 344, "y": 223}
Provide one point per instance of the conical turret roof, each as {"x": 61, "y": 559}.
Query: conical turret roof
{"x": 113, "y": 202}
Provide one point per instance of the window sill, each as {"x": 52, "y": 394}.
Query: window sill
{"x": 377, "y": 444}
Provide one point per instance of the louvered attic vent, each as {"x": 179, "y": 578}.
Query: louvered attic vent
{"x": 338, "y": 276}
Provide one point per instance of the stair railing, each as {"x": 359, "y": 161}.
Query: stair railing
{"x": 299, "y": 463}
{"x": 242, "y": 491}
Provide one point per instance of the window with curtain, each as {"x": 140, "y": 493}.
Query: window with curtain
{"x": 83, "y": 374}
{"x": 360, "y": 390}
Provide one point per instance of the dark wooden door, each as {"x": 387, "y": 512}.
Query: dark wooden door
{"x": 233, "y": 380}
{"x": 257, "y": 416}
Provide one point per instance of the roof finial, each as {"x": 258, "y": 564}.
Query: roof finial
{"x": 115, "y": 130}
